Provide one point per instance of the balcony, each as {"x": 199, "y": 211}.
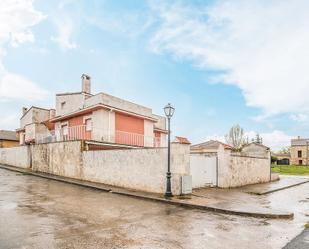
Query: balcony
{"x": 99, "y": 135}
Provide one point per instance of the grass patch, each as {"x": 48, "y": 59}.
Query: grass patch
{"x": 307, "y": 226}
{"x": 291, "y": 170}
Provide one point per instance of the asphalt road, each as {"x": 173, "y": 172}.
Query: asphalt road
{"x": 300, "y": 242}
{"x": 41, "y": 213}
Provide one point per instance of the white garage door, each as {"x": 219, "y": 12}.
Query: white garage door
{"x": 203, "y": 170}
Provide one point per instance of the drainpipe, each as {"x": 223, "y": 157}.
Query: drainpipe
{"x": 217, "y": 171}
{"x": 109, "y": 125}
{"x": 269, "y": 166}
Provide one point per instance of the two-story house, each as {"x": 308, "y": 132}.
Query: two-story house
{"x": 95, "y": 117}
{"x": 300, "y": 151}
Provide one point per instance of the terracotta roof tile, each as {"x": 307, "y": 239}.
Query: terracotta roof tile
{"x": 182, "y": 140}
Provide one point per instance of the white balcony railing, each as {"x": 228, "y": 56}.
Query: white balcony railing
{"x": 119, "y": 137}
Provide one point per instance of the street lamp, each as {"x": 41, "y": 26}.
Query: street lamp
{"x": 169, "y": 111}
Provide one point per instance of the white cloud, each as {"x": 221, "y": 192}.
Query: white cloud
{"x": 275, "y": 140}
{"x": 299, "y": 117}
{"x": 16, "y": 19}
{"x": 215, "y": 137}
{"x": 65, "y": 28}
{"x": 262, "y": 46}
{"x": 9, "y": 122}
{"x": 14, "y": 86}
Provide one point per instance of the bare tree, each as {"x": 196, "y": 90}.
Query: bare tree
{"x": 236, "y": 137}
{"x": 285, "y": 150}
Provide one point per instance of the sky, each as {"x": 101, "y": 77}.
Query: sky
{"x": 220, "y": 63}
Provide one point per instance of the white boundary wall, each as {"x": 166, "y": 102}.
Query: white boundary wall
{"x": 235, "y": 170}
{"x": 16, "y": 156}
{"x": 140, "y": 169}
{"x": 60, "y": 158}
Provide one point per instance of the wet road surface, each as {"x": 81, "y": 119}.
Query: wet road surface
{"x": 41, "y": 213}
{"x": 300, "y": 242}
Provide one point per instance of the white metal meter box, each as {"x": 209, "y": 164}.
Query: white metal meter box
{"x": 186, "y": 184}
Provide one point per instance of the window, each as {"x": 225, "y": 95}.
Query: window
{"x": 63, "y": 104}
{"x": 88, "y": 123}
{"x": 299, "y": 153}
{"x": 64, "y": 129}
{"x": 300, "y": 162}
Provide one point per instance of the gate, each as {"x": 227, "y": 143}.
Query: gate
{"x": 203, "y": 170}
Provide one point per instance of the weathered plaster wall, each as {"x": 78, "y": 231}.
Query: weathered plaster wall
{"x": 35, "y": 130}
{"x": 34, "y": 115}
{"x": 73, "y": 102}
{"x": 26, "y": 119}
{"x": 61, "y": 158}
{"x": 236, "y": 170}
{"x": 16, "y": 156}
{"x": 161, "y": 124}
{"x": 113, "y": 101}
{"x": 139, "y": 169}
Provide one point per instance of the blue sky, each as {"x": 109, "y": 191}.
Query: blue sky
{"x": 218, "y": 62}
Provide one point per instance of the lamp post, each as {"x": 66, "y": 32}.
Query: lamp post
{"x": 169, "y": 111}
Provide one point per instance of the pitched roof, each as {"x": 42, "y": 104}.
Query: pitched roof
{"x": 257, "y": 144}
{"x": 8, "y": 135}
{"x": 182, "y": 140}
{"x": 211, "y": 144}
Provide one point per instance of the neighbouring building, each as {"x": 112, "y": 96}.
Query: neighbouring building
{"x": 181, "y": 140}
{"x": 210, "y": 146}
{"x": 299, "y": 151}
{"x": 282, "y": 158}
{"x": 8, "y": 139}
{"x": 95, "y": 117}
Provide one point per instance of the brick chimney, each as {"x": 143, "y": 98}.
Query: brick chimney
{"x": 86, "y": 83}
{"x": 52, "y": 113}
{"x": 24, "y": 110}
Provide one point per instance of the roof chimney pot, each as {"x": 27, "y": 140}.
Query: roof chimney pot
{"x": 86, "y": 83}
{"x": 24, "y": 110}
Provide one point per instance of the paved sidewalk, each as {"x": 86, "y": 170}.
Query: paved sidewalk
{"x": 284, "y": 183}
{"x": 228, "y": 201}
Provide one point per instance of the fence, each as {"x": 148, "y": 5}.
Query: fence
{"x": 82, "y": 133}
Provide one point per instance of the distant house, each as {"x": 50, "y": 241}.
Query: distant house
{"x": 210, "y": 146}
{"x": 300, "y": 151}
{"x": 282, "y": 158}
{"x": 8, "y": 139}
{"x": 181, "y": 140}
{"x": 93, "y": 117}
